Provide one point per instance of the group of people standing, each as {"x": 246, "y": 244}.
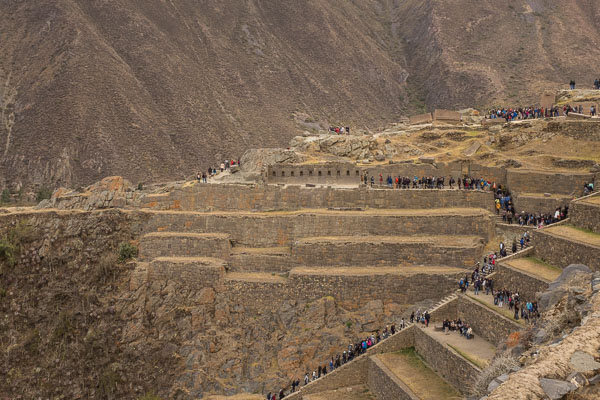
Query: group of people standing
{"x": 429, "y": 182}
{"x": 225, "y": 165}
{"x": 354, "y": 350}
{"x": 521, "y": 113}
{"x": 339, "y": 130}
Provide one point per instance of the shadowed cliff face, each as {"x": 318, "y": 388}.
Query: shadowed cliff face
{"x": 154, "y": 90}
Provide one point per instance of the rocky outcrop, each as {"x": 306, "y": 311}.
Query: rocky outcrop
{"x": 110, "y": 192}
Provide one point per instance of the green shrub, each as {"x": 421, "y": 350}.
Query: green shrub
{"x": 140, "y": 186}
{"x": 127, "y": 251}
{"x": 43, "y": 194}
{"x": 149, "y": 396}
{"x": 8, "y": 252}
{"x": 5, "y": 196}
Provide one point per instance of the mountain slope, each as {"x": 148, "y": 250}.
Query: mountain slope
{"x": 155, "y": 89}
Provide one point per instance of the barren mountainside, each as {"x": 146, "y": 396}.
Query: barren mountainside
{"x": 155, "y": 90}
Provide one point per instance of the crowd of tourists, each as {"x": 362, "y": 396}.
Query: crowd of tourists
{"x": 459, "y": 326}
{"x": 350, "y": 353}
{"x": 522, "y": 113}
{"x": 429, "y": 182}
{"x": 481, "y": 282}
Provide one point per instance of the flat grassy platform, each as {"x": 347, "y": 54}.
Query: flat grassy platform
{"x": 536, "y": 267}
{"x": 422, "y": 380}
{"x": 574, "y": 233}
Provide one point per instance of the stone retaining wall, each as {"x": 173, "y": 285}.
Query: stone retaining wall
{"x": 590, "y": 130}
{"x": 385, "y": 385}
{"x": 229, "y": 197}
{"x": 451, "y": 366}
{"x": 585, "y": 215}
{"x": 193, "y": 275}
{"x": 522, "y": 181}
{"x": 351, "y": 291}
{"x": 373, "y": 253}
{"x": 281, "y": 229}
{"x": 519, "y": 281}
{"x": 318, "y": 174}
{"x": 539, "y": 203}
{"x": 562, "y": 252}
{"x": 185, "y": 245}
{"x": 486, "y": 323}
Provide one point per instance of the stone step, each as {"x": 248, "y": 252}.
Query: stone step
{"x": 456, "y": 251}
{"x": 260, "y": 259}
{"x": 184, "y": 244}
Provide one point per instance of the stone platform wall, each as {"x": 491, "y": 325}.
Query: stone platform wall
{"x": 562, "y": 252}
{"x": 282, "y": 229}
{"x": 486, "y": 323}
{"x": 451, "y": 366}
{"x": 590, "y": 130}
{"x": 520, "y": 181}
{"x": 540, "y": 204}
{"x": 526, "y": 285}
{"x": 271, "y": 197}
{"x": 384, "y": 384}
{"x": 351, "y": 291}
{"x": 372, "y": 253}
{"x": 585, "y": 215}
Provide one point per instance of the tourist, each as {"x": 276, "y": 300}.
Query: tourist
{"x": 572, "y": 84}
{"x": 597, "y": 84}
{"x": 593, "y": 111}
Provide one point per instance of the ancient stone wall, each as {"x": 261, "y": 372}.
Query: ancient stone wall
{"x": 541, "y": 182}
{"x": 281, "y": 229}
{"x": 165, "y": 244}
{"x": 270, "y": 197}
{"x": 195, "y": 274}
{"x": 377, "y": 252}
{"x": 420, "y": 119}
{"x": 451, "y": 366}
{"x": 320, "y": 174}
{"x": 539, "y": 203}
{"x": 519, "y": 281}
{"x": 562, "y": 252}
{"x": 585, "y": 215}
{"x": 486, "y": 323}
{"x": 351, "y": 291}
{"x": 590, "y": 130}
{"x": 384, "y": 384}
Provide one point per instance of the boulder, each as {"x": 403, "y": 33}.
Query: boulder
{"x": 583, "y": 362}
{"x": 549, "y": 298}
{"x": 427, "y": 160}
{"x": 568, "y": 273}
{"x": 556, "y": 389}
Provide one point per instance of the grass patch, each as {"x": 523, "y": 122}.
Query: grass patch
{"x": 507, "y": 313}
{"x": 586, "y": 231}
{"x": 542, "y": 263}
{"x": 479, "y": 364}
